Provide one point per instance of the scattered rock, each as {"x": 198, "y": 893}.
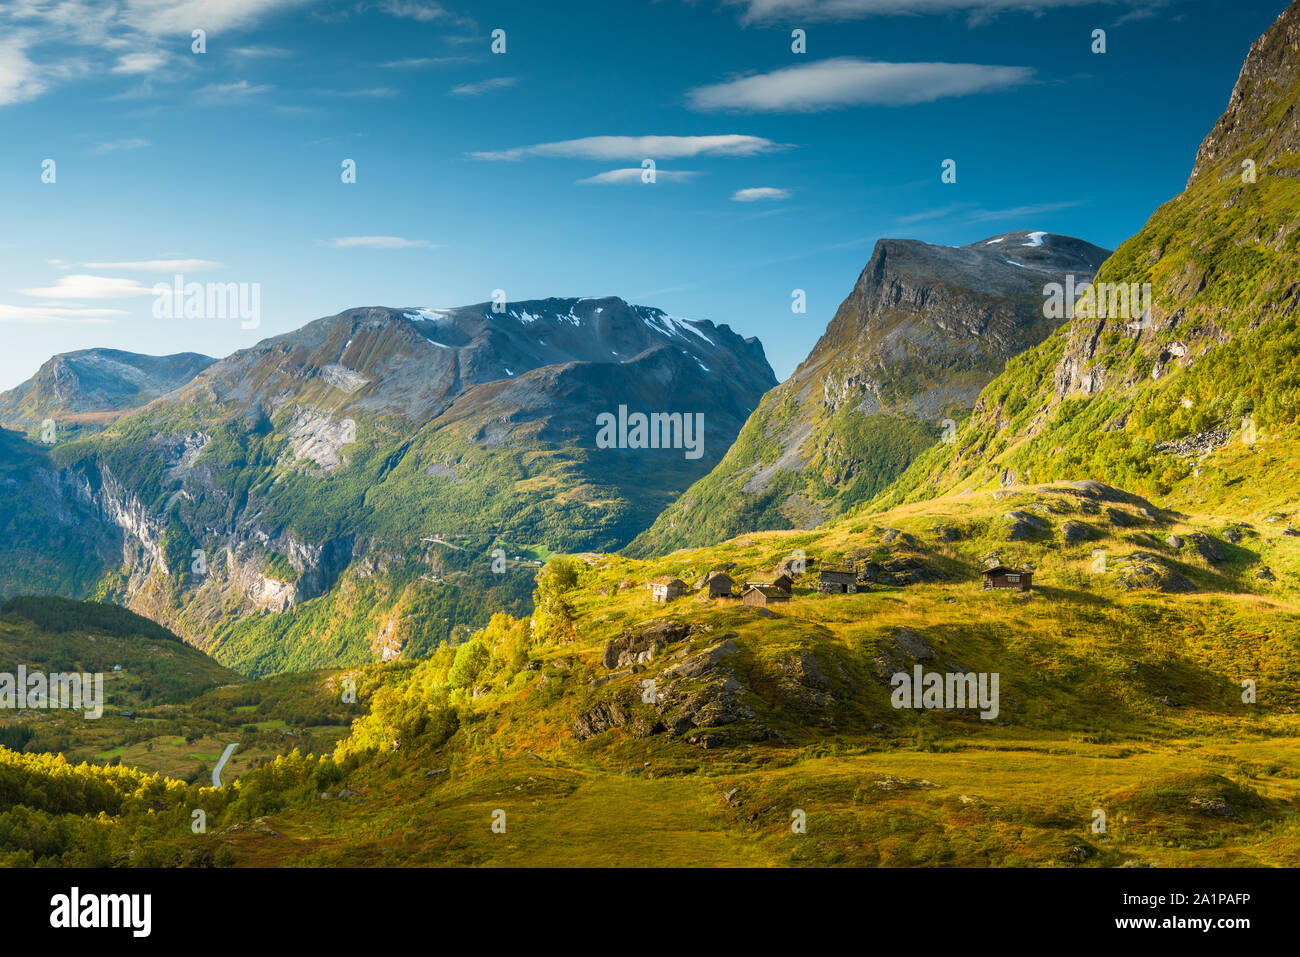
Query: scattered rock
{"x": 1141, "y": 570}
{"x": 1208, "y": 548}
{"x": 1118, "y": 518}
{"x": 1173, "y": 541}
{"x": 894, "y": 783}
{"x": 913, "y": 645}
{"x": 1215, "y": 806}
{"x": 706, "y": 660}
{"x": 1076, "y": 532}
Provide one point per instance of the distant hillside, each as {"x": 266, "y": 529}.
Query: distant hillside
{"x": 142, "y": 662}
{"x": 89, "y": 388}
{"x": 924, "y": 329}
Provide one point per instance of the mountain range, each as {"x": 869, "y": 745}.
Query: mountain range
{"x": 388, "y": 446}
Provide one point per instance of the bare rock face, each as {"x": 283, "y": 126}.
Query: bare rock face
{"x": 1272, "y": 68}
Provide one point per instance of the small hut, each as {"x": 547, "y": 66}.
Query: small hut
{"x": 1007, "y": 576}
{"x": 719, "y": 584}
{"x": 781, "y": 582}
{"x": 760, "y": 596}
{"x": 666, "y": 589}
{"x": 837, "y": 580}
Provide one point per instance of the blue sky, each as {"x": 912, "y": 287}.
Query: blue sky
{"x": 478, "y": 171}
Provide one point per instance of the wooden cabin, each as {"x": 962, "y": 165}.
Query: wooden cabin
{"x": 761, "y": 596}
{"x": 719, "y": 584}
{"x": 666, "y": 589}
{"x": 837, "y": 580}
{"x": 782, "y": 582}
{"x": 1006, "y": 576}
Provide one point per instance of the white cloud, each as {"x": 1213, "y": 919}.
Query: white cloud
{"x": 48, "y": 314}
{"x": 117, "y": 146}
{"x": 89, "y": 287}
{"x": 378, "y": 242}
{"x": 484, "y": 86}
{"x": 640, "y": 147}
{"x": 1021, "y": 212}
{"x": 80, "y": 38}
{"x": 423, "y": 11}
{"x": 766, "y": 11}
{"x": 413, "y": 10}
{"x": 157, "y": 265}
{"x": 133, "y": 63}
{"x": 221, "y": 93}
{"x": 419, "y": 63}
{"x": 371, "y": 92}
{"x": 633, "y": 175}
{"x": 19, "y": 77}
{"x": 258, "y": 52}
{"x": 938, "y": 213}
{"x": 850, "y": 81}
{"x": 159, "y": 17}
{"x": 756, "y": 193}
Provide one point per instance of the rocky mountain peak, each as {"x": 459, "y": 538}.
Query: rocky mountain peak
{"x": 1262, "y": 121}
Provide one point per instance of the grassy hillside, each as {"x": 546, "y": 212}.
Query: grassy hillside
{"x": 1120, "y": 690}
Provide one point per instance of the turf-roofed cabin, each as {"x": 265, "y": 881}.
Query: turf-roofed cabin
{"x": 1007, "y": 576}
{"x": 763, "y": 595}
{"x": 666, "y": 589}
{"x": 719, "y": 584}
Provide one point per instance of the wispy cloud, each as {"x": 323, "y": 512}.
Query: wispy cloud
{"x": 20, "y": 78}
{"x": 978, "y": 11}
{"x": 89, "y": 287}
{"x": 1021, "y": 212}
{"x": 484, "y": 86}
{"x": 378, "y": 242}
{"x": 223, "y": 93}
{"x": 640, "y": 147}
{"x": 424, "y": 62}
{"x": 51, "y": 314}
{"x": 423, "y": 11}
{"x": 756, "y": 193}
{"x": 80, "y": 38}
{"x": 260, "y": 52}
{"x": 371, "y": 92}
{"x": 133, "y": 63}
{"x": 850, "y": 81}
{"x": 940, "y": 212}
{"x": 117, "y": 146}
{"x": 618, "y": 177}
{"x": 970, "y": 213}
{"x": 157, "y": 265}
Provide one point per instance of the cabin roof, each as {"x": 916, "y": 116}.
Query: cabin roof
{"x": 1004, "y": 569}
{"x": 767, "y": 591}
{"x": 667, "y": 580}
{"x": 830, "y": 571}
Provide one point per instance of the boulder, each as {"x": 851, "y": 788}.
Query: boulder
{"x": 1208, "y": 548}
{"x": 637, "y": 647}
{"x": 1076, "y": 532}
